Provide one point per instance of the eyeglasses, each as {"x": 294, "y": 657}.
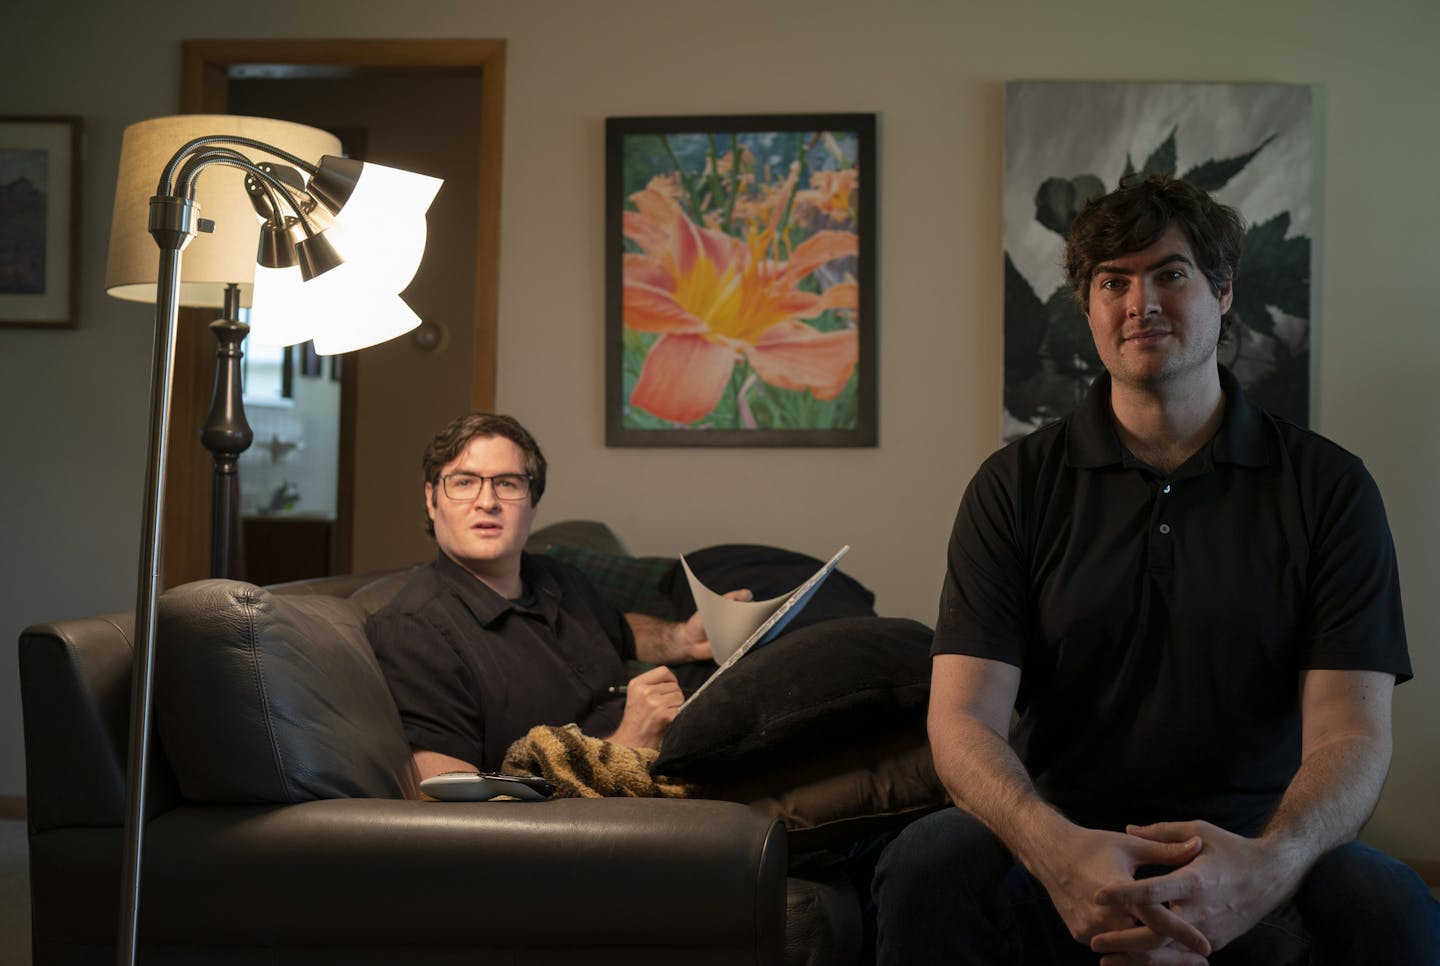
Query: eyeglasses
{"x": 467, "y": 486}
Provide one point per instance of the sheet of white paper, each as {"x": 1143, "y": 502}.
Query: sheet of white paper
{"x": 728, "y": 622}
{"x": 772, "y": 615}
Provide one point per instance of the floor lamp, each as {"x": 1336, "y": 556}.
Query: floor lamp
{"x": 217, "y": 274}
{"x": 329, "y": 253}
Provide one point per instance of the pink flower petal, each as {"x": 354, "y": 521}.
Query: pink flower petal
{"x": 682, "y": 378}
{"x": 793, "y": 355}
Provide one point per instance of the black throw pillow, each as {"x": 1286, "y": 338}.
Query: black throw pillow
{"x": 804, "y": 694}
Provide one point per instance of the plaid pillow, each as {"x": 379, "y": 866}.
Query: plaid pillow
{"x": 630, "y": 583}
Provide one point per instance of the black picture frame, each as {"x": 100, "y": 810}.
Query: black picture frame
{"x": 39, "y": 221}
{"x": 759, "y": 201}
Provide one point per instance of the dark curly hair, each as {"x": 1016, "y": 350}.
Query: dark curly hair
{"x": 1136, "y": 214}
{"x": 451, "y": 441}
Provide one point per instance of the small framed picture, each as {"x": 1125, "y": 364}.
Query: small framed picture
{"x": 740, "y": 280}
{"x": 39, "y": 220}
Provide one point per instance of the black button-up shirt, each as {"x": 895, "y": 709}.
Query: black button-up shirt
{"x": 472, "y": 671}
{"x": 1161, "y": 621}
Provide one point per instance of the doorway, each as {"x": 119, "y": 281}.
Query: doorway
{"x": 376, "y": 513}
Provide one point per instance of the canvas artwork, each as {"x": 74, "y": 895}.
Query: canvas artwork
{"x": 1250, "y": 145}
{"x": 740, "y": 281}
{"x": 22, "y": 220}
{"x": 38, "y": 220}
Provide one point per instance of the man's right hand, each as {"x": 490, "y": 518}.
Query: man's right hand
{"x": 652, "y": 700}
{"x": 1073, "y": 867}
{"x": 970, "y": 704}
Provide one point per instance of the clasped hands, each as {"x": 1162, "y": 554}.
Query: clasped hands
{"x": 1220, "y": 885}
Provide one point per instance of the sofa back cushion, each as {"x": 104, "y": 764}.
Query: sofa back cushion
{"x": 273, "y": 698}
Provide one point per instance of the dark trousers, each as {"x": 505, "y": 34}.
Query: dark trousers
{"x": 947, "y": 891}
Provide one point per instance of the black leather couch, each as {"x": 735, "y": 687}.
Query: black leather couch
{"x": 278, "y": 835}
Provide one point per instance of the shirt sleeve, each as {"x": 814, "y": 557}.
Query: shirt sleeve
{"x": 440, "y": 709}
{"x": 1357, "y": 622}
{"x": 983, "y": 604}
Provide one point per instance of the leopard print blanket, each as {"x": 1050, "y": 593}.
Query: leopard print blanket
{"x": 584, "y": 767}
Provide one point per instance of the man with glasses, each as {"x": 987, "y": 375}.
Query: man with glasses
{"x": 488, "y": 641}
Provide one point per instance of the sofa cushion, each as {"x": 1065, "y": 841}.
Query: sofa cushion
{"x": 590, "y": 534}
{"x": 823, "y": 728}
{"x": 844, "y": 793}
{"x": 264, "y": 697}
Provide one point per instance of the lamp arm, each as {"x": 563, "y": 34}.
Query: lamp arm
{"x": 167, "y": 177}
{"x": 184, "y": 182}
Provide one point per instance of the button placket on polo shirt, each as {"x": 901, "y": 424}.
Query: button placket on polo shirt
{"x": 1162, "y": 543}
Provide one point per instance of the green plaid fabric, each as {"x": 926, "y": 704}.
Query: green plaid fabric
{"x": 630, "y": 583}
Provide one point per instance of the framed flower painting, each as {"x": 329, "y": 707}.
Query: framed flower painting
{"x": 740, "y": 280}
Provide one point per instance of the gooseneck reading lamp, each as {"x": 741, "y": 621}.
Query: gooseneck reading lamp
{"x": 329, "y": 268}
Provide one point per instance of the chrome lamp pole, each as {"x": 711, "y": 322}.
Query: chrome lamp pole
{"x": 353, "y": 299}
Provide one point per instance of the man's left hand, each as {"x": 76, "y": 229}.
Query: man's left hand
{"x": 1223, "y": 892}
{"x": 674, "y": 642}
{"x": 691, "y": 641}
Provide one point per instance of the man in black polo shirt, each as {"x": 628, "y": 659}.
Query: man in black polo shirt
{"x": 1194, "y": 609}
{"x": 488, "y": 641}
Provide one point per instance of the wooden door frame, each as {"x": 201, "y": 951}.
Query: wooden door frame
{"x": 204, "y": 89}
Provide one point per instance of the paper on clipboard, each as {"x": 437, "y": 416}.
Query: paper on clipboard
{"x": 737, "y": 626}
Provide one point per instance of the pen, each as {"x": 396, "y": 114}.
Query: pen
{"x": 622, "y": 688}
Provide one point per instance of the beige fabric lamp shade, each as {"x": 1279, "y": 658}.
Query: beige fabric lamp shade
{"x": 214, "y": 260}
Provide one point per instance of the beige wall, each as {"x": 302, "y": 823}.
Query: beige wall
{"x": 934, "y": 72}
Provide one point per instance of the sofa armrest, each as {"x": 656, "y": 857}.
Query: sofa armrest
{"x": 604, "y": 873}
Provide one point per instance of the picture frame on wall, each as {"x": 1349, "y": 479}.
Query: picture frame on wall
{"x": 740, "y": 281}
{"x": 1250, "y": 145}
{"x": 39, "y": 221}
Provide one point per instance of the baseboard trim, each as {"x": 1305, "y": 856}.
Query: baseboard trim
{"x": 1429, "y": 870}
{"x": 12, "y": 808}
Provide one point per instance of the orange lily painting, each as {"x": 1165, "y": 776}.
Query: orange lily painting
{"x": 741, "y": 297}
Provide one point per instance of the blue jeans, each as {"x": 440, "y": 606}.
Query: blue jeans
{"x": 947, "y": 891}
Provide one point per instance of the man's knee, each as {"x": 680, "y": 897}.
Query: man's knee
{"x": 935, "y": 891}
{"x": 947, "y": 852}
{"x": 1358, "y": 898}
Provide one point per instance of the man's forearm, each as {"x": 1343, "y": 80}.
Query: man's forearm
{"x": 1327, "y": 802}
{"x": 656, "y": 641}
{"x": 986, "y": 778}
{"x": 1343, "y": 762}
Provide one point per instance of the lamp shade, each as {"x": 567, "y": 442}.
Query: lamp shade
{"x": 281, "y": 314}
{"x": 354, "y": 314}
{"x": 379, "y": 216}
{"x": 390, "y": 253}
{"x": 213, "y": 260}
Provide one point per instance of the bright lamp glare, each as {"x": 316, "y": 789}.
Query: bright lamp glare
{"x": 389, "y": 253}
{"x": 352, "y": 314}
{"x": 280, "y": 314}
{"x": 382, "y": 193}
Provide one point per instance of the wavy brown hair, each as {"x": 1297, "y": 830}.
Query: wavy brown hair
{"x": 1136, "y": 214}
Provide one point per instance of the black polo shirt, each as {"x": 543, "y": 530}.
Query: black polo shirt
{"x": 1160, "y": 622}
{"x": 472, "y": 671}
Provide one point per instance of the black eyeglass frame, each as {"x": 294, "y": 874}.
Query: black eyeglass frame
{"x": 528, "y": 478}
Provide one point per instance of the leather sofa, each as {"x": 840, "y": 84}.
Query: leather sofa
{"x": 260, "y": 848}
